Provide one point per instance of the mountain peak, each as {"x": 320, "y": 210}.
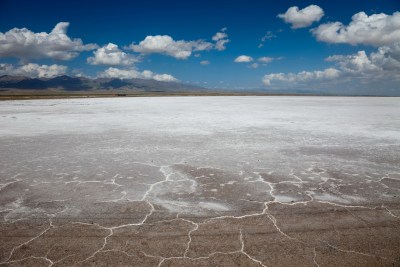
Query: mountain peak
{"x": 69, "y": 83}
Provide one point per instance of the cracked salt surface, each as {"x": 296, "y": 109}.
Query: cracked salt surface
{"x": 200, "y": 181}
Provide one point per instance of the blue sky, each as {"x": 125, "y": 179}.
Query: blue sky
{"x": 296, "y": 55}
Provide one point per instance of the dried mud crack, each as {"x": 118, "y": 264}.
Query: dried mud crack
{"x": 199, "y": 182}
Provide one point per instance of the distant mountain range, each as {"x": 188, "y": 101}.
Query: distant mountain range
{"x": 68, "y": 83}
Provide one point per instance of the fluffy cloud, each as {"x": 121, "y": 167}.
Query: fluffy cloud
{"x": 133, "y": 74}
{"x": 25, "y": 44}
{"x": 164, "y": 44}
{"x": 387, "y": 57}
{"x": 354, "y": 64}
{"x": 243, "y": 58}
{"x": 263, "y": 61}
{"x": 376, "y": 30}
{"x": 205, "y": 62}
{"x": 219, "y": 36}
{"x": 221, "y": 39}
{"x": 385, "y": 62}
{"x": 164, "y": 78}
{"x": 382, "y": 65}
{"x": 302, "y": 18}
{"x": 304, "y": 76}
{"x": 111, "y": 55}
{"x": 220, "y": 45}
{"x": 33, "y": 70}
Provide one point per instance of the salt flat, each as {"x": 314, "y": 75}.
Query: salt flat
{"x": 200, "y": 181}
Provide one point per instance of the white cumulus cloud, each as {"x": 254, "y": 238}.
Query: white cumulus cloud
{"x": 110, "y": 54}
{"x": 387, "y": 57}
{"x": 304, "y": 76}
{"x": 376, "y": 30}
{"x": 385, "y": 62}
{"x": 205, "y": 62}
{"x": 164, "y": 78}
{"x": 164, "y": 44}
{"x": 221, "y": 39}
{"x": 220, "y": 45}
{"x": 302, "y": 18}
{"x": 382, "y": 65}
{"x": 181, "y": 49}
{"x": 33, "y": 70}
{"x": 219, "y": 36}
{"x": 263, "y": 61}
{"x": 25, "y": 44}
{"x": 356, "y": 63}
{"x": 243, "y": 58}
{"x": 134, "y": 74}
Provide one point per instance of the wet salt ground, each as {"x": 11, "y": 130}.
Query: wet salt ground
{"x": 199, "y": 181}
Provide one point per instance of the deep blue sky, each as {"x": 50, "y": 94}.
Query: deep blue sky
{"x": 124, "y": 22}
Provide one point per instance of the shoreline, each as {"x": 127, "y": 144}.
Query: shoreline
{"x": 24, "y": 96}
